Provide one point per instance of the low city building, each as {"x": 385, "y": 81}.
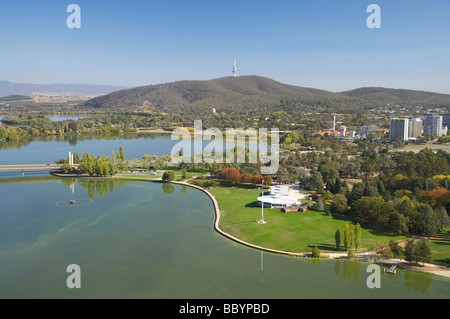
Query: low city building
{"x": 278, "y": 197}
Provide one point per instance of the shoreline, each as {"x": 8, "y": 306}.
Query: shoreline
{"x": 437, "y": 270}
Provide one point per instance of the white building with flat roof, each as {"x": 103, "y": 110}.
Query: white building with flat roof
{"x": 279, "y": 196}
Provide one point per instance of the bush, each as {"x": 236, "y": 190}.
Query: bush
{"x": 316, "y": 252}
{"x": 67, "y": 169}
{"x": 351, "y": 254}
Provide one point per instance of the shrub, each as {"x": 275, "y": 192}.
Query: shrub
{"x": 316, "y": 252}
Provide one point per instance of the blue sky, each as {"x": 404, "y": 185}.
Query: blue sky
{"x": 323, "y": 44}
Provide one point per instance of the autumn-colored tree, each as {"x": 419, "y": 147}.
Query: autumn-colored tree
{"x": 246, "y": 178}
{"x": 257, "y": 179}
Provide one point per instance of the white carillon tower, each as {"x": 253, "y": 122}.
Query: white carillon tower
{"x": 70, "y": 159}
{"x": 234, "y": 68}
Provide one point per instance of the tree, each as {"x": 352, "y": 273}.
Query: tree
{"x": 352, "y": 235}
{"x": 319, "y": 205}
{"x": 111, "y": 169}
{"x": 316, "y": 252}
{"x": 427, "y": 222}
{"x": 357, "y": 193}
{"x": 90, "y": 165}
{"x": 444, "y": 219}
{"x": 229, "y": 175}
{"x": 121, "y": 155}
{"x": 338, "y": 186}
{"x": 267, "y": 180}
{"x": 337, "y": 238}
{"x": 357, "y": 236}
{"x": 339, "y": 204}
{"x": 347, "y": 237}
{"x": 168, "y": 177}
{"x": 66, "y": 168}
{"x": 257, "y": 179}
{"x": 380, "y": 187}
{"x": 327, "y": 195}
{"x": 329, "y": 173}
{"x": 183, "y": 173}
{"x": 410, "y": 251}
{"x": 315, "y": 182}
{"x": 369, "y": 190}
{"x": 396, "y": 249}
{"x": 99, "y": 167}
{"x": 423, "y": 252}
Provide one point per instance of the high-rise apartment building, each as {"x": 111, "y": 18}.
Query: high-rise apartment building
{"x": 398, "y": 130}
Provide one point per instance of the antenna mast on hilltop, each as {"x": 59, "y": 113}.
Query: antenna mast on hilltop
{"x": 235, "y": 68}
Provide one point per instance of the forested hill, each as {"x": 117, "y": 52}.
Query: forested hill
{"x": 399, "y": 96}
{"x": 229, "y": 94}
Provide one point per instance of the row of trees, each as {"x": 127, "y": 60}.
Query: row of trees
{"x": 233, "y": 176}
{"x": 352, "y": 237}
{"x": 98, "y": 165}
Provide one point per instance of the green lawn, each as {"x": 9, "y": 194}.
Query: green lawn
{"x": 158, "y": 176}
{"x": 440, "y": 249}
{"x": 291, "y": 231}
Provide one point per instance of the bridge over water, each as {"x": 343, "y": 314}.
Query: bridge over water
{"x": 29, "y": 167}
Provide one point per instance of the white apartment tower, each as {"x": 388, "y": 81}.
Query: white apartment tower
{"x": 432, "y": 125}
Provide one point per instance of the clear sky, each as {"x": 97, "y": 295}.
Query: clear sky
{"x": 324, "y": 44}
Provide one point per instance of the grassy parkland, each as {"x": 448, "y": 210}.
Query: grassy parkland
{"x": 292, "y": 231}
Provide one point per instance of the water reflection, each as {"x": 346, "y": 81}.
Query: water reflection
{"x": 94, "y": 186}
{"x": 168, "y": 188}
{"x": 351, "y": 270}
{"x": 417, "y": 282}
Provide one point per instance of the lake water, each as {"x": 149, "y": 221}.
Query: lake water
{"x": 48, "y": 150}
{"x": 140, "y": 240}
{"x": 57, "y": 117}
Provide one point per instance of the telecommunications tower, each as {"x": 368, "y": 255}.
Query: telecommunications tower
{"x": 234, "y": 68}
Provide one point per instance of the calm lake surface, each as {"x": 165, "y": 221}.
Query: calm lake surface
{"x": 48, "y": 150}
{"x": 45, "y": 151}
{"x": 140, "y": 240}
{"x": 57, "y": 117}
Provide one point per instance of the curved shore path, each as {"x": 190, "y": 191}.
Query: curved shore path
{"x": 430, "y": 268}
{"x": 217, "y": 228}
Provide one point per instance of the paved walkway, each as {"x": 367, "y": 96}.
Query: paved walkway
{"x": 30, "y": 167}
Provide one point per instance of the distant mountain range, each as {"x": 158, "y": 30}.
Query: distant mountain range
{"x": 250, "y": 93}
{"x": 69, "y": 90}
